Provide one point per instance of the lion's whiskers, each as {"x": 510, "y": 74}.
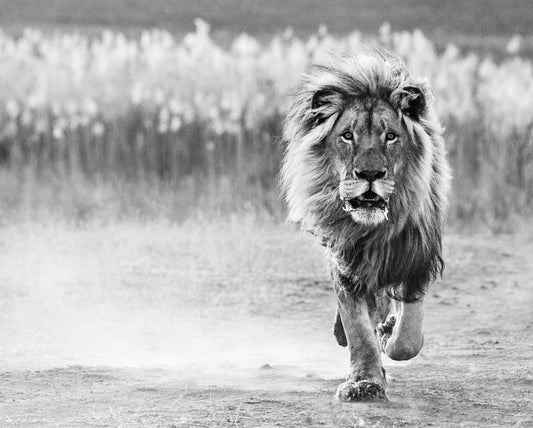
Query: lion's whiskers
{"x": 352, "y": 188}
{"x": 383, "y": 188}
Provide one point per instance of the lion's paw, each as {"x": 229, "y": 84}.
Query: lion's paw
{"x": 384, "y": 331}
{"x": 360, "y": 391}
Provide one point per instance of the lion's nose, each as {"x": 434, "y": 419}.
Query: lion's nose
{"x": 370, "y": 175}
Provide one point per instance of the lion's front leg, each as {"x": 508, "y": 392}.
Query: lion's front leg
{"x": 401, "y": 334}
{"x": 366, "y": 378}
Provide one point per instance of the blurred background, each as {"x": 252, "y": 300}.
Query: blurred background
{"x": 114, "y": 109}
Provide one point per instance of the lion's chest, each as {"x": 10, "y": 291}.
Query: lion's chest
{"x": 381, "y": 264}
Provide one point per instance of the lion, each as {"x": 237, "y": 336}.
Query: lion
{"x": 365, "y": 171}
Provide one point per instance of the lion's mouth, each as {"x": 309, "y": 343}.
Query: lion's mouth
{"x": 368, "y": 199}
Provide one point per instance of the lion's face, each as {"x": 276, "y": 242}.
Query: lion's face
{"x": 366, "y": 148}
{"x": 363, "y": 136}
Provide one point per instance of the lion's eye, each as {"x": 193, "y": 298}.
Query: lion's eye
{"x": 347, "y": 136}
{"x": 390, "y": 136}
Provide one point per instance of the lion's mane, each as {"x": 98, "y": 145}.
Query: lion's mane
{"x": 403, "y": 254}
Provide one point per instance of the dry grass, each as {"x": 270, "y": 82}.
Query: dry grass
{"x": 158, "y": 127}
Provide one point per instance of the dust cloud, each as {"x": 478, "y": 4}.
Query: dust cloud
{"x": 78, "y": 298}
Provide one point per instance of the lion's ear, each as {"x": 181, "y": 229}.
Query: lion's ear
{"x": 324, "y": 103}
{"x": 322, "y": 98}
{"x": 412, "y": 101}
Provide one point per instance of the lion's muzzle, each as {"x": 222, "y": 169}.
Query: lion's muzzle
{"x": 366, "y": 200}
{"x": 364, "y": 194}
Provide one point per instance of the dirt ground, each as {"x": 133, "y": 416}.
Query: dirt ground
{"x": 230, "y": 325}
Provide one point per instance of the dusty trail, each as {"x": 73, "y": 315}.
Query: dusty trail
{"x": 186, "y": 326}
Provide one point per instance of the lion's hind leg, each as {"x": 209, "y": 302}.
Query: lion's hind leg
{"x": 338, "y": 330}
{"x": 384, "y": 331}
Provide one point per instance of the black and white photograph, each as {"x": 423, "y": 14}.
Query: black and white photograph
{"x": 266, "y": 213}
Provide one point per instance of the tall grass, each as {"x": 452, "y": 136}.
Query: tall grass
{"x": 154, "y": 125}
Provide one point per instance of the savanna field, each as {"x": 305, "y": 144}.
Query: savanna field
{"x": 158, "y": 125}
{"x": 147, "y": 275}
